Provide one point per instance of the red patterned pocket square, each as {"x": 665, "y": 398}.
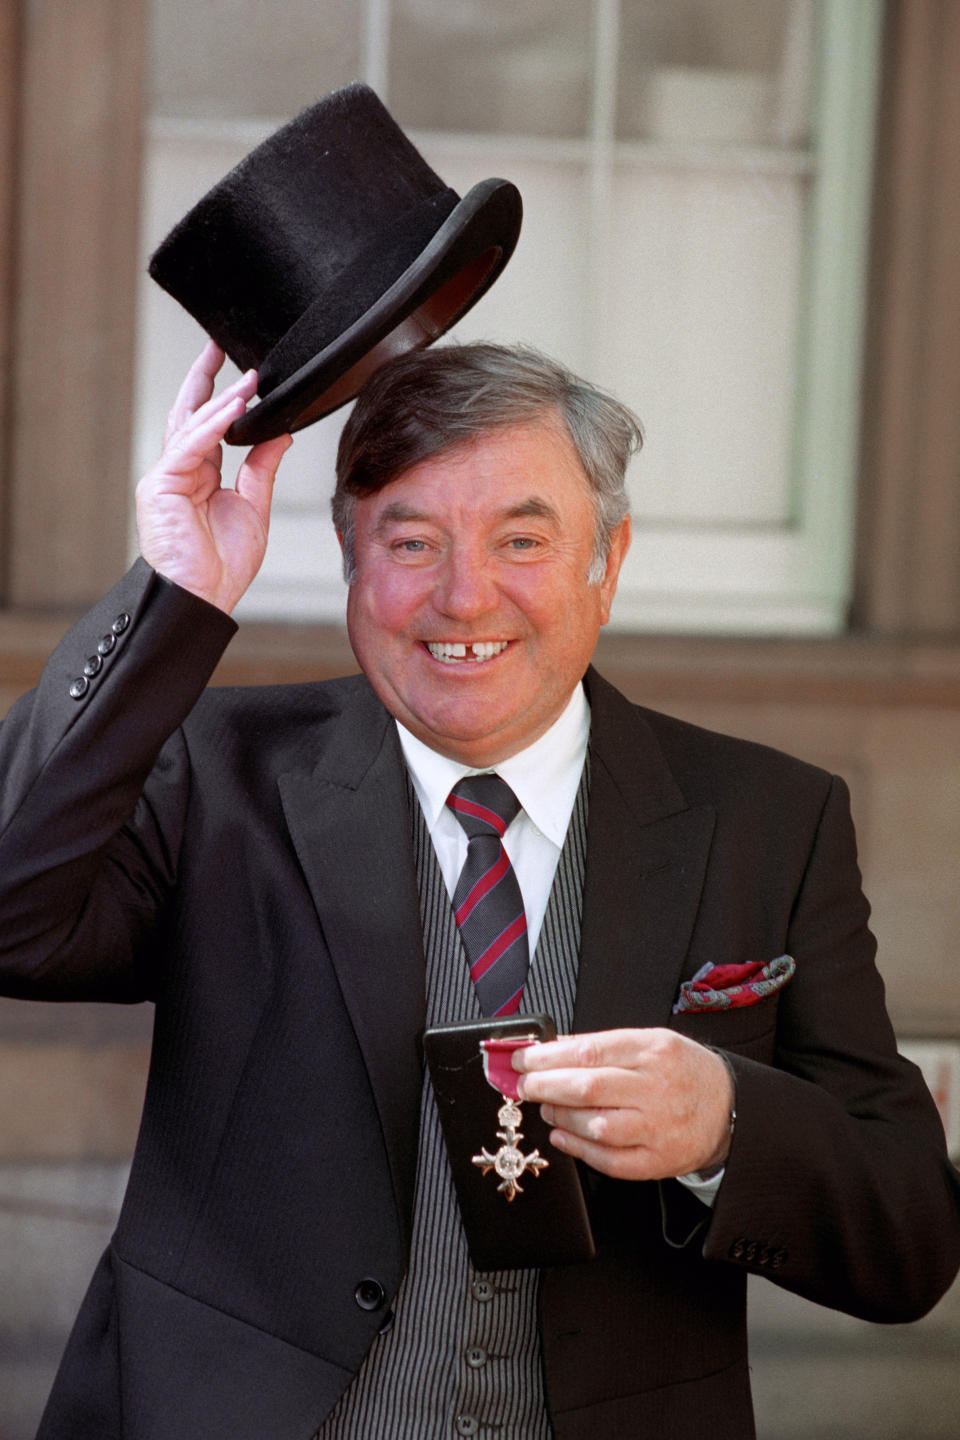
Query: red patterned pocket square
{"x": 724, "y": 987}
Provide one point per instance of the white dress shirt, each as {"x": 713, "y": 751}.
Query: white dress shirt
{"x": 544, "y": 777}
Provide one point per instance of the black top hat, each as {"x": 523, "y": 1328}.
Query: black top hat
{"x": 330, "y": 248}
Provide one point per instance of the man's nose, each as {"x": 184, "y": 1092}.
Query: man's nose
{"x": 465, "y": 587}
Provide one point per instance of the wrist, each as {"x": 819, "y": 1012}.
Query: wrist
{"x": 211, "y": 598}
{"x": 719, "y": 1158}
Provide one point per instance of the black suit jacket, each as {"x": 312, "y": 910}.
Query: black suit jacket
{"x": 242, "y": 859}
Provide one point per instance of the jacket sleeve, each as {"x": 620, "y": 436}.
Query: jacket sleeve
{"x": 838, "y": 1185}
{"x": 86, "y": 855}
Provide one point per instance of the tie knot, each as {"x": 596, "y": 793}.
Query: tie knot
{"x": 484, "y": 804}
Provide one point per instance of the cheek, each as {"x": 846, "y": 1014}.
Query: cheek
{"x": 387, "y": 603}
{"x": 562, "y": 609}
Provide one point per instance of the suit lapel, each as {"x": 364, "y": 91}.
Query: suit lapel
{"x": 646, "y": 859}
{"x": 349, "y": 820}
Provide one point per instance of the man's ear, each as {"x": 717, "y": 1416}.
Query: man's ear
{"x": 619, "y": 545}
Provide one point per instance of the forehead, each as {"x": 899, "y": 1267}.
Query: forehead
{"x": 533, "y": 465}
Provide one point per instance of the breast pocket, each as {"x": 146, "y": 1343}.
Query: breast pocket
{"x": 749, "y": 1030}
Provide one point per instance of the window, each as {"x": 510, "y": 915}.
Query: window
{"x": 696, "y": 182}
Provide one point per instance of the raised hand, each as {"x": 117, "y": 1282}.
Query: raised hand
{"x": 209, "y": 539}
{"x": 635, "y": 1104}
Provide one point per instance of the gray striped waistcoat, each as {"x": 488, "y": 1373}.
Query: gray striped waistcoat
{"x": 462, "y": 1357}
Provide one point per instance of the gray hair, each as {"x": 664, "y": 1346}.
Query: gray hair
{"x": 427, "y": 401}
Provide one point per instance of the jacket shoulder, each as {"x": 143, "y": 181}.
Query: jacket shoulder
{"x": 705, "y": 764}
{"x": 694, "y": 748}
{"x": 258, "y": 729}
{"x": 312, "y": 699}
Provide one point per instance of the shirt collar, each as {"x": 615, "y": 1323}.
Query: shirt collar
{"x": 544, "y": 776}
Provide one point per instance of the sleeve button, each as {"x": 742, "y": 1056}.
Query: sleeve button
{"x": 106, "y": 643}
{"x": 93, "y": 666}
{"x": 121, "y": 623}
{"x": 79, "y": 687}
{"x": 369, "y": 1294}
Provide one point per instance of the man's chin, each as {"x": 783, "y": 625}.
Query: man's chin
{"x": 475, "y": 737}
{"x": 459, "y": 737}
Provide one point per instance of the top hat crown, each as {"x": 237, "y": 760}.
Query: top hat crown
{"x": 331, "y": 247}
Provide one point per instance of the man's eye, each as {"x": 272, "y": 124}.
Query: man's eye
{"x": 411, "y": 546}
{"x": 522, "y": 542}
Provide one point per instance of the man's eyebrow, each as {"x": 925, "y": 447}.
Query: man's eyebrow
{"x": 397, "y": 513}
{"x": 400, "y": 512}
{"x": 535, "y": 508}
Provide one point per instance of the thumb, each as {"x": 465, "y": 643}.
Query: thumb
{"x": 258, "y": 472}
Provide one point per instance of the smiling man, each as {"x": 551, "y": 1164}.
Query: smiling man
{"x": 302, "y": 878}
{"x": 471, "y": 607}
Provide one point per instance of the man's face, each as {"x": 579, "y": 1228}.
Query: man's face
{"x": 470, "y": 612}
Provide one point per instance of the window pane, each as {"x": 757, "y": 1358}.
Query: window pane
{"x": 240, "y": 59}
{"x": 517, "y": 67}
{"x": 697, "y": 72}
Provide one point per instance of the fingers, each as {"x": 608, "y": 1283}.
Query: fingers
{"x": 640, "y": 1104}
{"x": 627, "y": 1163}
{"x": 211, "y": 421}
{"x": 193, "y": 451}
{"x": 586, "y": 1088}
{"x": 605, "y": 1047}
{"x": 618, "y": 1128}
{"x": 197, "y": 386}
{"x": 196, "y": 392}
{"x": 199, "y": 419}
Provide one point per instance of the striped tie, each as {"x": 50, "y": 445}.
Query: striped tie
{"x": 487, "y": 900}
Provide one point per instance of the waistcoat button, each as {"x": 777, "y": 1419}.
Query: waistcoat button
{"x": 369, "y": 1294}
{"x": 466, "y": 1425}
{"x": 476, "y": 1357}
{"x": 483, "y": 1290}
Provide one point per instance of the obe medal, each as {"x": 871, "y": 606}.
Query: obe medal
{"x": 509, "y": 1162}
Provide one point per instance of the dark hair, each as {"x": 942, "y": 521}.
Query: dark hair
{"x": 429, "y": 400}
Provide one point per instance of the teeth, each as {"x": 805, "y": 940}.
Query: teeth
{"x": 451, "y": 651}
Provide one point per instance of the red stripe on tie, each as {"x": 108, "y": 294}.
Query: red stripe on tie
{"x": 492, "y": 954}
{"x": 480, "y": 812}
{"x": 511, "y": 1006}
{"x": 483, "y": 886}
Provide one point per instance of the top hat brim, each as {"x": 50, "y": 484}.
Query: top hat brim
{"x": 448, "y": 277}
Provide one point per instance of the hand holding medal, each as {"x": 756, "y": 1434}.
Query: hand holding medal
{"x": 549, "y": 1225}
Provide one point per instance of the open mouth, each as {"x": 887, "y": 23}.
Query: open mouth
{"x": 451, "y": 652}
